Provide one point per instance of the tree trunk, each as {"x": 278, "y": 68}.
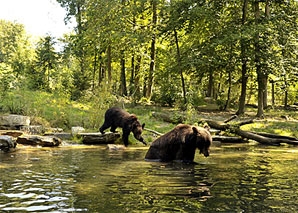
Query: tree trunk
{"x": 100, "y": 74}
{"x": 244, "y": 76}
{"x": 218, "y": 91}
{"x": 267, "y": 140}
{"x": 267, "y": 9}
{"x": 81, "y": 53}
{"x": 94, "y": 69}
{"x": 260, "y": 112}
{"x": 123, "y": 89}
{"x": 109, "y": 65}
{"x": 229, "y": 90}
{"x": 180, "y": 66}
{"x": 265, "y": 95}
{"x": 137, "y": 77}
{"x": 152, "y": 55}
{"x": 145, "y": 86}
{"x": 286, "y": 94}
{"x": 272, "y": 91}
{"x": 48, "y": 81}
{"x": 260, "y": 75}
{"x": 210, "y": 84}
{"x": 132, "y": 76}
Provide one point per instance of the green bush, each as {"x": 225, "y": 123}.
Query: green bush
{"x": 56, "y": 109}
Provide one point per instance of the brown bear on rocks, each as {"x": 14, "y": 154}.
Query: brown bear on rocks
{"x": 180, "y": 144}
{"x": 117, "y": 117}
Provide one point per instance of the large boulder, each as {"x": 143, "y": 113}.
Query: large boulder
{"x": 98, "y": 138}
{"x": 61, "y": 135}
{"x": 7, "y": 142}
{"x": 53, "y": 130}
{"x": 36, "y": 140}
{"x": 13, "y": 121}
{"x": 33, "y": 130}
{"x": 77, "y": 129}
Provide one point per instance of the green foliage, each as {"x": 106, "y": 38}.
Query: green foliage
{"x": 46, "y": 62}
{"x": 7, "y": 78}
{"x": 211, "y": 39}
{"x": 16, "y": 55}
{"x": 56, "y": 110}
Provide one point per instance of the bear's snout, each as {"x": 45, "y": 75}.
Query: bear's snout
{"x": 205, "y": 152}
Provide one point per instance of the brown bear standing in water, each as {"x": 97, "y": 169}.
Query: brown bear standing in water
{"x": 180, "y": 144}
{"x": 117, "y": 117}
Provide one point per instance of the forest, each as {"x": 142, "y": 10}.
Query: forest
{"x": 175, "y": 53}
{"x": 229, "y": 65}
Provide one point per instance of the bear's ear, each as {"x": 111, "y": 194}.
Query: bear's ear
{"x": 207, "y": 127}
{"x": 133, "y": 117}
{"x": 195, "y": 130}
{"x": 143, "y": 125}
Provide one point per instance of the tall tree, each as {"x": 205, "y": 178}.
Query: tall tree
{"x": 76, "y": 9}
{"x": 46, "y": 60}
{"x": 243, "y": 43}
{"x": 260, "y": 74}
{"x": 123, "y": 88}
{"x": 180, "y": 66}
{"x": 16, "y": 49}
{"x": 152, "y": 49}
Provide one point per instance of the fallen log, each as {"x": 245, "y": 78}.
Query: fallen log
{"x": 153, "y": 131}
{"x": 269, "y": 135}
{"x": 249, "y": 135}
{"x": 228, "y": 139}
{"x": 231, "y": 118}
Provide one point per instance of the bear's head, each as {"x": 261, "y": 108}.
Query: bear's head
{"x": 137, "y": 128}
{"x": 203, "y": 140}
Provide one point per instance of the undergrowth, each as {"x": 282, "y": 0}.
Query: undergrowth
{"x": 57, "y": 110}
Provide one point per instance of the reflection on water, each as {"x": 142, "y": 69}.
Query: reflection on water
{"x": 235, "y": 178}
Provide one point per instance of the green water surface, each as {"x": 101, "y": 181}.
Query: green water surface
{"x": 235, "y": 178}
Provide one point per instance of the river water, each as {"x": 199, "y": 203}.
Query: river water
{"x": 234, "y": 178}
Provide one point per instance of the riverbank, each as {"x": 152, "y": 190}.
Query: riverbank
{"x": 57, "y": 111}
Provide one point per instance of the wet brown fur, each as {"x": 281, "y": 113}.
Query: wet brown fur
{"x": 180, "y": 144}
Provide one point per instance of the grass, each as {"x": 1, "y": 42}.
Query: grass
{"x": 56, "y": 110}
{"x": 53, "y": 110}
{"x": 289, "y": 128}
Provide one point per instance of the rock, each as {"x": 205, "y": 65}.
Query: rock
{"x": 98, "y": 138}
{"x": 13, "y": 133}
{"x": 7, "y": 142}
{"x": 33, "y": 130}
{"x": 54, "y": 130}
{"x": 114, "y": 147}
{"x": 61, "y": 135}
{"x": 77, "y": 129}
{"x": 13, "y": 121}
{"x": 36, "y": 140}
{"x": 173, "y": 118}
